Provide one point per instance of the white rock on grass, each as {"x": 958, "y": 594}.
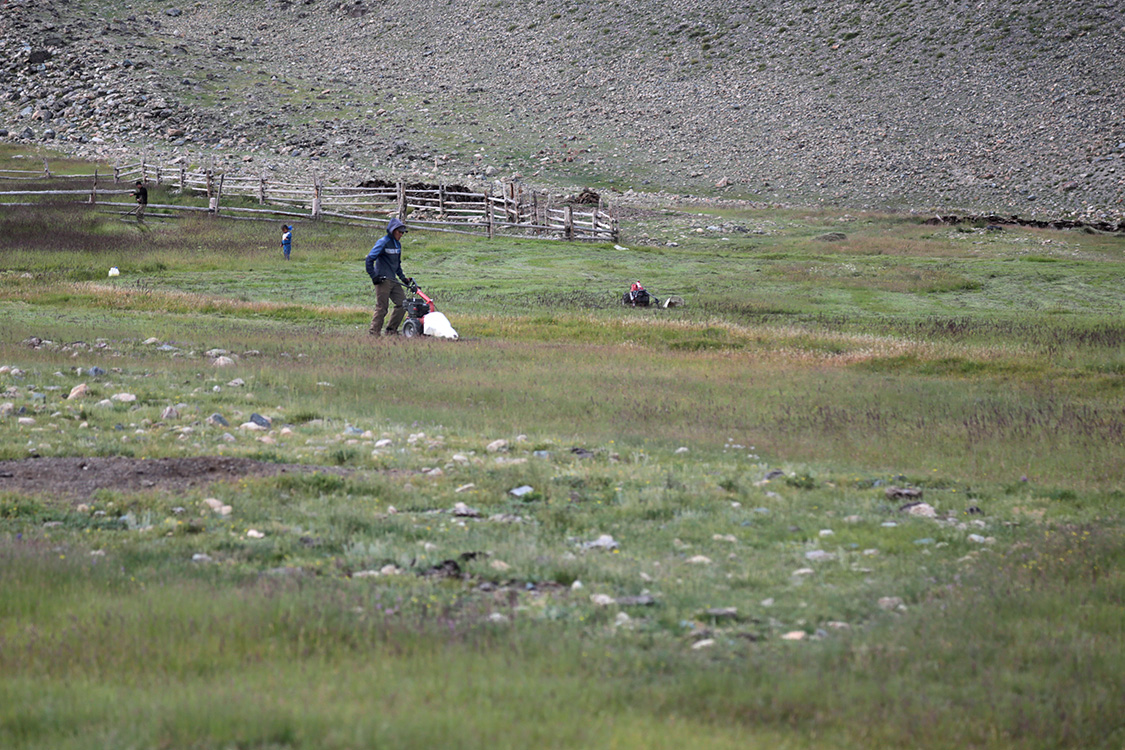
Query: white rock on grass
{"x": 699, "y": 560}
{"x": 500, "y": 565}
{"x": 497, "y": 446}
{"x": 465, "y": 487}
{"x": 170, "y": 412}
{"x": 705, "y": 643}
{"x": 923, "y": 510}
{"x": 78, "y": 391}
{"x": 150, "y": 341}
{"x": 795, "y": 635}
{"x": 385, "y": 442}
{"x": 123, "y": 398}
{"x": 456, "y": 458}
{"x": 605, "y": 541}
{"x": 891, "y": 603}
{"x": 222, "y": 362}
{"x": 217, "y": 506}
{"x": 461, "y": 510}
{"x": 602, "y": 600}
{"x": 255, "y": 534}
{"x": 252, "y": 426}
{"x": 26, "y": 421}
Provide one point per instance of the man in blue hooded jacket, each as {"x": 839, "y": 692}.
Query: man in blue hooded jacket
{"x": 383, "y": 264}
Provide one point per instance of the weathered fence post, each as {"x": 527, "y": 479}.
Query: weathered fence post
{"x": 46, "y": 169}
{"x": 94, "y": 189}
{"x": 488, "y": 211}
{"x": 316, "y": 197}
{"x": 159, "y": 176}
{"x": 116, "y": 174}
{"x": 441, "y": 201}
{"x": 568, "y": 222}
{"x": 261, "y": 188}
{"x": 217, "y": 199}
{"x": 401, "y": 200}
{"x": 183, "y": 179}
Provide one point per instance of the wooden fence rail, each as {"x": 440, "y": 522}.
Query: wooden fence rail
{"x": 515, "y": 210}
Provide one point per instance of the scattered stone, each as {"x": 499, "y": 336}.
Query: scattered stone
{"x": 264, "y": 422}
{"x": 222, "y": 361}
{"x": 500, "y": 565}
{"x": 78, "y": 391}
{"x": 237, "y": 383}
{"x": 891, "y": 603}
{"x": 522, "y": 490}
{"x": 722, "y": 613}
{"x": 795, "y": 635}
{"x": 217, "y": 420}
{"x": 643, "y": 600}
{"x": 169, "y": 413}
{"x": 460, "y": 510}
{"x": 819, "y": 555}
{"x": 923, "y": 510}
{"x": 602, "y": 600}
{"x": 698, "y": 560}
{"x": 496, "y": 446}
{"x": 682, "y": 449}
{"x": 200, "y": 557}
{"x": 26, "y": 421}
{"x": 832, "y": 237}
{"x": 902, "y": 493}
{"x": 605, "y": 541}
{"x": 123, "y": 398}
{"x": 383, "y": 443}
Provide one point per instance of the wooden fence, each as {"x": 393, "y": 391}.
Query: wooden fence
{"x": 514, "y": 211}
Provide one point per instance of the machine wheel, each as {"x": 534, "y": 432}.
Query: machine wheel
{"x": 412, "y": 328}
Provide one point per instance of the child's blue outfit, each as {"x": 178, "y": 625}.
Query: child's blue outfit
{"x": 286, "y": 240}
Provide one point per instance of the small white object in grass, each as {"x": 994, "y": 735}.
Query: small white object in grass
{"x": 115, "y": 271}
{"x": 682, "y": 449}
{"x": 827, "y": 532}
{"x": 795, "y": 635}
{"x": 602, "y": 600}
{"x": 576, "y": 586}
{"x": 254, "y": 534}
{"x": 699, "y": 560}
{"x": 705, "y": 643}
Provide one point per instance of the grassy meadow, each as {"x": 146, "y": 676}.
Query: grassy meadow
{"x": 704, "y": 546}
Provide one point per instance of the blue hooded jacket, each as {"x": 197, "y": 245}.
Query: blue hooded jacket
{"x": 385, "y": 259}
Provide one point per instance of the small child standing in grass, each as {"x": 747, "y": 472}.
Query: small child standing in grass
{"x": 286, "y": 239}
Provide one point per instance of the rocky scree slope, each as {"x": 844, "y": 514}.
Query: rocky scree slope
{"x": 990, "y": 106}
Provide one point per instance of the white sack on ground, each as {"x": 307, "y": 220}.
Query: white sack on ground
{"x": 436, "y": 324}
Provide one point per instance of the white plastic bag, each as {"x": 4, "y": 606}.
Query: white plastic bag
{"x": 436, "y": 324}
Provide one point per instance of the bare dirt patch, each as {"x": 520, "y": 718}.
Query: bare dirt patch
{"x": 75, "y": 479}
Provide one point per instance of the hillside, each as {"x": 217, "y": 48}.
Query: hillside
{"x": 984, "y": 106}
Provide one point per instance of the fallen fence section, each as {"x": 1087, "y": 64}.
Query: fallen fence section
{"x": 515, "y": 211}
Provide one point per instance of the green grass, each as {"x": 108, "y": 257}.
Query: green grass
{"x": 983, "y": 371}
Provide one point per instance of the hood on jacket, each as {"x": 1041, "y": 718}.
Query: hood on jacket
{"x": 394, "y": 224}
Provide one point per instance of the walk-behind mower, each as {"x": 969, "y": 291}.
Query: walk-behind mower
{"x": 423, "y": 319}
